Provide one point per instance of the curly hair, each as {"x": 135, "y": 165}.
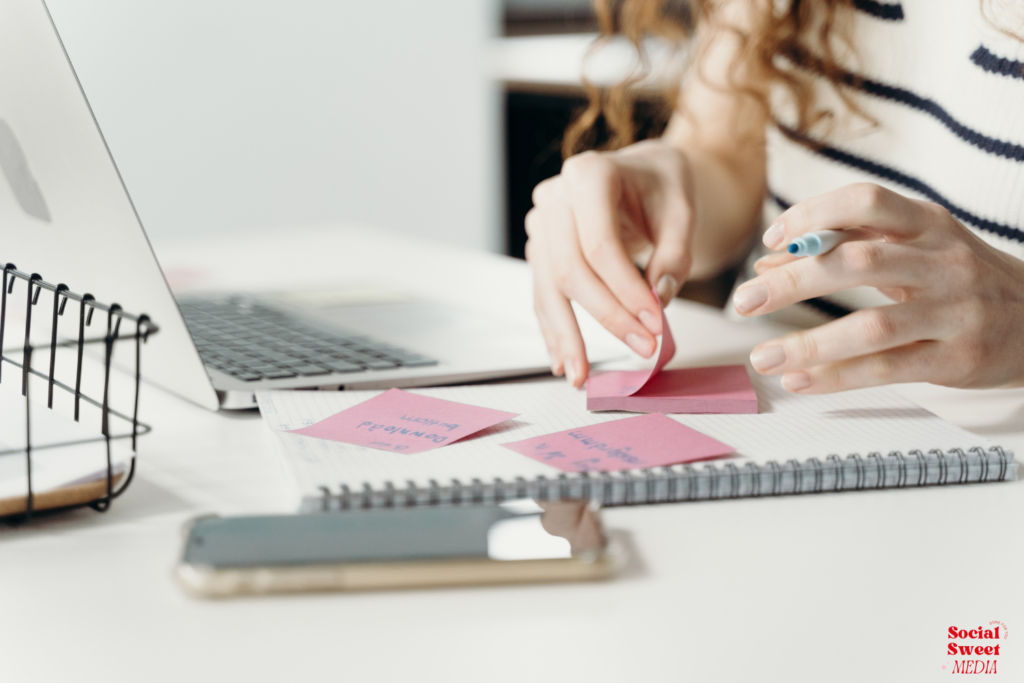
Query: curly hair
{"x": 792, "y": 44}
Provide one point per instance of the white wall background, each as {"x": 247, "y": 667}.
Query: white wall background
{"x": 228, "y": 115}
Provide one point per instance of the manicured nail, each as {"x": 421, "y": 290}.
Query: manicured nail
{"x": 747, "y": 299}
{"x": 774, "y": 235}
{"x": 667, "y": 289}
{"x": 642, "y": 346}
{"x": 648, "y": 320}
{"x": 767, "y": 357}
{"x": 759, "y": 264}
{"x": 795, "y": 381}
{"x": 570, "y": 373}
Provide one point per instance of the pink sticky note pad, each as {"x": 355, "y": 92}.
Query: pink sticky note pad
{"x": 632, "y": 443}
{"x": 718, "y": 389}
{"x": 404, "y": 423}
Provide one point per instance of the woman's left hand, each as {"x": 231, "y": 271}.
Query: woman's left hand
{"x": 958, "y": 319}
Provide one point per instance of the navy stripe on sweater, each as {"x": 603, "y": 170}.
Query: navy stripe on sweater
{"x": 882, "y": 10}
{"x": 1002, "y": 148}
{"x": 907, "y": 181}
{"x": 779, "y": 201}
{"x": 997, "y": 65}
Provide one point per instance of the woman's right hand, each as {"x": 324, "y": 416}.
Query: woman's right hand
{"x": 585, "y": 230}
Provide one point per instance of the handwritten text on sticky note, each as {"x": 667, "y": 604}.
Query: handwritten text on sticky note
{"x": 632, "y": 443}
{"x": 402, "y": 422}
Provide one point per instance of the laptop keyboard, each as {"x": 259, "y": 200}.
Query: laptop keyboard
{"x": 253, "y": 342}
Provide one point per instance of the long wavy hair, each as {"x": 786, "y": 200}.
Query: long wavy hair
{"x": 792, "y": 44}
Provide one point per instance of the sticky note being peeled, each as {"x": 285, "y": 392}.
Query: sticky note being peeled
{"x": 632, "y": 443}
{"x": 718, "y": 389}
{"x": 401, "y": 422}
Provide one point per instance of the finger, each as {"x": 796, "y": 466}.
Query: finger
{"x": 770, "y": 261}
{"x": 859, "y": 334}
{"x": 670, "y": 263}
{"x": 864, "y": 205}
{"x": 594, "y": 190}
{"x": 588, "y": 290}
{"x": 851, "y": 264}
{"x": 766, "y": 263}
{"x": 552, "y": 340}
{"x": 574, "y": 278}
{"x": 917, "y": 362}
{"x": 554, "y": 313}
{"x": 667, "y": 271}
{"x": 573, "y": 521}
{"x": 562, "y": 335}
{"x": 558, "y": 325}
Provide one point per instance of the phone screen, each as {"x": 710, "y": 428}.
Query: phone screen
{"x": 513, "y": 531}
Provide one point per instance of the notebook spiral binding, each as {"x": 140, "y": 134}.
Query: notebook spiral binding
{"x": 682, "y": 483}
{"x": 115, "y": 483}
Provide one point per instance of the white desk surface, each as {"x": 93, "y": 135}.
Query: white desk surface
{"x": 840, "y": 587}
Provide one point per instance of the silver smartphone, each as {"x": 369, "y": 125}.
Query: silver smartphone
{"x": 515, "y": 542}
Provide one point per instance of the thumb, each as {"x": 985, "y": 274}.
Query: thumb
{"x": 668, "y": 268}
{"x": 672, "y": 232}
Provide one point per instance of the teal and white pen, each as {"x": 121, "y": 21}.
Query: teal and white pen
{"x": 816, "y": 243}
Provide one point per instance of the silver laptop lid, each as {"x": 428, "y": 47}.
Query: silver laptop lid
{"x": 64, "y": 210}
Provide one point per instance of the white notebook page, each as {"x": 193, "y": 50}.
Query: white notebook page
{"x": 787, "y": 427}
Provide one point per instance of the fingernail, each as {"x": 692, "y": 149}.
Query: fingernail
{"x": 667, "y": 288}
{"x": 639, "y": 344}
{"x": 795, "y": 381}
{"x": 747, "y": 299}
{"x": 570, "y": 373}
{"x": 767, "y": 357}
{"x": 760, "y": 263}
{"x": 774, "y": 235}
{"x": 650, "y": 322}
{"x": 555, "y": 370}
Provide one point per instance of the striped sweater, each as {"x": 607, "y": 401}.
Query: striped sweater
{"x": 946, "y": 88}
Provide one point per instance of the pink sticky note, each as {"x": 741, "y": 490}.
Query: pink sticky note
{"x": 632, "y": 443}
{"x": 718, "y": 389}
{"x": 404, "y": 423}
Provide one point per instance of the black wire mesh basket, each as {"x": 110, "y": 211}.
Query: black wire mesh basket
{"x": 47, "y": 351}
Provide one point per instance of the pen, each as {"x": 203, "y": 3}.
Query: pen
{"x": 816, "y": 243}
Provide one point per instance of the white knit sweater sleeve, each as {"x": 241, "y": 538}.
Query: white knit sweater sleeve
{"x": 946, "y": 88}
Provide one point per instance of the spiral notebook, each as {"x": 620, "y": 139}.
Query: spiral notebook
{"x": 863, "y": 439}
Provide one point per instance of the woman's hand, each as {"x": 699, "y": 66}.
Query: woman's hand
{"x": 959, "y": 316}
{"x": 585, "y": 230}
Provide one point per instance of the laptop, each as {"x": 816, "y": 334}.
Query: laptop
{"x": 67, "y": 215}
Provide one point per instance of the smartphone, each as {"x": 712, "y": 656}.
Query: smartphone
{"x": 515, "y": 542}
